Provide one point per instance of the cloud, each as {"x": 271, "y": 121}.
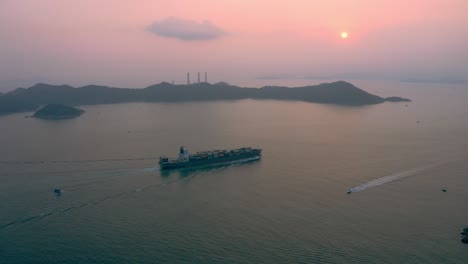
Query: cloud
{"x": 187, "y": 30}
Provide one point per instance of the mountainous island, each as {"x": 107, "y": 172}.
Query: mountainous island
{"x": 341, "y": 93}
{"x": 57, "y": 111}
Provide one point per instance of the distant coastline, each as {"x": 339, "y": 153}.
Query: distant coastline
{"x": 340, "y": 93}
{"x": 437, "y": 81}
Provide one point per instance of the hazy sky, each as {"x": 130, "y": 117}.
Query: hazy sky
{"x": 140, "y": 42}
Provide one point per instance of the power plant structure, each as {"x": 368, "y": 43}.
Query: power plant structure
{"x": 188, "y": 78}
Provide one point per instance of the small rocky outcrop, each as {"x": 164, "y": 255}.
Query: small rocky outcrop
{"x": 397, "y": 99}
{"x": 57, "y": 111}
{"x": 464, "y": 235}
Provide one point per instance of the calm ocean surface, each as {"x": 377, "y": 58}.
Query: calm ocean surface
{"x": 289, "y": 207}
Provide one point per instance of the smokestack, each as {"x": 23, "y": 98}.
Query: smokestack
{"x": 188, "y": 78}
{"x": 198, "y": 77}
{"x": 206, "y": 77}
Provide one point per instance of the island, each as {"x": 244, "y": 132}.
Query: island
{"x": 57, "y": 111}
{"x": 339, "y": 93}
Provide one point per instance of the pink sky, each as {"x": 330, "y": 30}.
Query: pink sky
{"x": 108, "y": 41}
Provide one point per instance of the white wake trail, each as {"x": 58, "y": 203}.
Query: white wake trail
{"x": 392, "y": 177}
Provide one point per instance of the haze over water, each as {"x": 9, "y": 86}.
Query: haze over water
{"x": 289, "y": 207}
{"x": 139, "y": 43}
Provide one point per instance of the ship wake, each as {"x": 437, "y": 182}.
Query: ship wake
{"x": 95, "y": 202}
{"x": 392, "y": 177}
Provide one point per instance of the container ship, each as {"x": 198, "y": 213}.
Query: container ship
{"x": 210, "y": 158}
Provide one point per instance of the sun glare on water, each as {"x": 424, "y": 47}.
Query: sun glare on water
{"x": 344, "y": 35}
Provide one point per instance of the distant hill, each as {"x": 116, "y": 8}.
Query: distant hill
{"x": 340, "y": 92}
{"x": 8, "y": 85}
{"x": 57, "y": 111}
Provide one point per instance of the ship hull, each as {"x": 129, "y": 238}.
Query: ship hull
{"x": 210, "y": 163}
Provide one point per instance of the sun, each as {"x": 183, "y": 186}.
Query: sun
{"x": 344, "y": 35}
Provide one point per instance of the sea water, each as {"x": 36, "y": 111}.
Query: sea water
{"x": 292, "y": 206}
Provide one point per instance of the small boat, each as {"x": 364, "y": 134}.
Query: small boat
{"x": 349, "y": 191}
{"x": 57, "y": 190}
